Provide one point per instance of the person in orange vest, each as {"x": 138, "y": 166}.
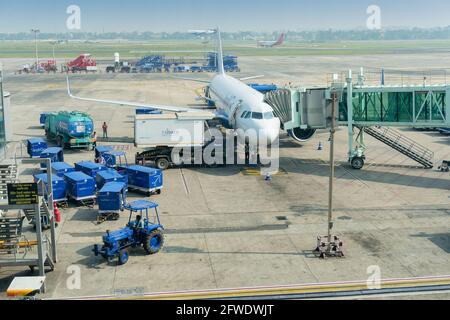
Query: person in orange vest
{"x": 105, "y": 130}
{"x": 94, "y": 139}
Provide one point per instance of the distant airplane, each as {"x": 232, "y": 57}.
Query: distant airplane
{"x": 271, "y": 44}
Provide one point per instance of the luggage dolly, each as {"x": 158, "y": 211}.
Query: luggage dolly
{"x": 88, "y": 202}
{"x": 104, "y": 216}
{"x": 329, "y": 249}
{"x": 62, "y": 203}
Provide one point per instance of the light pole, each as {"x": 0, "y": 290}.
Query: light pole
{"x": 36, "y": 31}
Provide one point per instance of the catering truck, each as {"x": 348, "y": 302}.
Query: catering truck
{"x": 70, "y": 129}
{"x": 166, "y": 137}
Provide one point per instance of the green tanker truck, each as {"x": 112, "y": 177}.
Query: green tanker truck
{"x": 70, "y": 129}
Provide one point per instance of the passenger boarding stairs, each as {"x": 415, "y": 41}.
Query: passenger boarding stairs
{"x": 402, "y": 144}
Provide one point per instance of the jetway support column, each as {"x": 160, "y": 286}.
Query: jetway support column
{"x": 350, "y": 114}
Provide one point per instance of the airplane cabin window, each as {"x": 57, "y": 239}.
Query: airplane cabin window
{"x": 268, "y": 115}
{"x": 257, "y": 115}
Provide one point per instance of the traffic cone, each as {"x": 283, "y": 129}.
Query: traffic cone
{"x": 320, "y": 148}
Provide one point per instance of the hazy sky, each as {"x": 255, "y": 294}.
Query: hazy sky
{"x": 230, "y": 15}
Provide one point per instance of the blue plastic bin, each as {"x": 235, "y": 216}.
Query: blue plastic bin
{"x": 55, "y": 155}
{"x": 112, "y": 197}
{"x": 59, "y": 186}
{"x": 104, "y": 177}
{"x": 100, "y": 150}
{"x": 35, "y": 146}
{"x": 80, "y": 186}
{"x": 61, "y": 168}
{"x": 144, "y": 179}
{"x": 113, "y": 159}
{"x": 90, "y": 168}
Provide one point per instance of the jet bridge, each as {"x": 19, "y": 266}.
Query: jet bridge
{"x": 374, "y": 110}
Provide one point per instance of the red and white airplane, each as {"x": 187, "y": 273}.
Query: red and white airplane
{"x": 271, "y": 44}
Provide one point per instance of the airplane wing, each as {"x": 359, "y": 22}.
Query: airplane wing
{"x": 251, "y": 78}
{"x": 191, "y": 79}
{"x": 132, "y": 104}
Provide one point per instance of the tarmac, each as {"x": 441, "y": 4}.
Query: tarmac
{"x": 227, "y": 227}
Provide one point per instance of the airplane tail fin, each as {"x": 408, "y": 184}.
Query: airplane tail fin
{"x": 281, "y": 39}
{"x": 220, "y": 67}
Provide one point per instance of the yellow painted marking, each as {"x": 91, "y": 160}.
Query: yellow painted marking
{"x": 285, "y": 290}
{"x": 248, "y": 171}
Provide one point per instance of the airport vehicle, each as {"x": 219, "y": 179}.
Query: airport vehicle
{"x": 111, "y": 200}
{"x": 70, "y": 129}
{"x": 444, "y": 131}
{"x": 169, "y": 136}
{"x": 263, "y": 88}
{"x": 49, "y": 66}
{"x": 271, "y": 44}
{"x": 230, "y": 63}
{"x": 122, "y": 67}
{"x": 35, "y": 146}
{"x": 137, "y": 233}
{"x": 238, "y": 106}
{"x": 100, "y": 150}
{"x": 84, "y": 62}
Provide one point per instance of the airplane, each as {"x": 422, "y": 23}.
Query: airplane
{"x": 238, "y": 106}
{"x": 271, "y": 44}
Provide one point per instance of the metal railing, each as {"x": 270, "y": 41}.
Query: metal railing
{"x": 407, "y": 145}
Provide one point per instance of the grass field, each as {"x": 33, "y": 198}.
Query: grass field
{"x": 129, "y": 49}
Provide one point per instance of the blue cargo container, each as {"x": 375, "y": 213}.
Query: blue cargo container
{"x": 58, "y": 184}
{"x": 61, "y": 168}
{"x": 112, "y": 159}
{"x": 35, "y": 146}
{"x": 54, "y": 154}
{"x": 100, "y": 150}
{"x": 147, "y": 111}
{"x": 90, "y": 168}
{"x": 80, "y": 186}
{"x": 144, "y": 179}
{"x": 42, "y": 118}
{"x": 104, "y": 177}
{"x": 112, "y": 197}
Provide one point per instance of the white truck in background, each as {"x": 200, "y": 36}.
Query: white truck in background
{"x": 160, "y": 134}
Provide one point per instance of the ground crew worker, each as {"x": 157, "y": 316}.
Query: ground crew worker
{"x": 94, "y": 139}
{"x": 105, "y": 130}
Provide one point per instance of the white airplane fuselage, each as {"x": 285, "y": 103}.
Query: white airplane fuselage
{"x": 234, "y": 98}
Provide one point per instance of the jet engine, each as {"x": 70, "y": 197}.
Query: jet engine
{"x": 301, "y": 135}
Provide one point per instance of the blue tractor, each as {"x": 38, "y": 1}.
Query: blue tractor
{"x": 138, "y": 232}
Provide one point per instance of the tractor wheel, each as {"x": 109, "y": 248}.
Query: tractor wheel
{"x": 162, "y": 164}
{"x": 123, "y": 257}
{"x": 154, "y": 242}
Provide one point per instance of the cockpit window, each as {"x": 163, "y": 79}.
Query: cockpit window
{"x": 248, "y": 115}
{"x": 244, "y": 114}
{"x": 268, "y": 115}
{"x": 257, "y": 115}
